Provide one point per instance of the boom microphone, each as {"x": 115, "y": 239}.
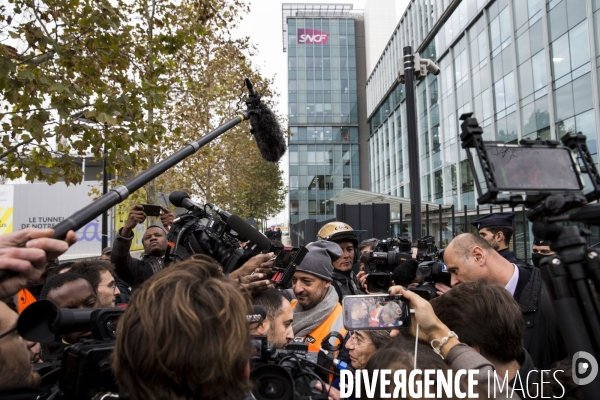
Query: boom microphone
{"x": 182, "y": 199}
{"x": 266, "y": 130}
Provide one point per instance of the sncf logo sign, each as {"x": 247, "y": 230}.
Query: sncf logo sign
{"x": 312, "y": 36}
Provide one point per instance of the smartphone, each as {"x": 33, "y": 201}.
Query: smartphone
{"x": 151, "y": 210}
{"x": 375, "y": 311}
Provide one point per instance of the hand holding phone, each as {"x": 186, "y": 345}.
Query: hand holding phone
{"x": 151, "y": 210}
{"x": 430, "y": 326}
{"x": 368, "y": 312}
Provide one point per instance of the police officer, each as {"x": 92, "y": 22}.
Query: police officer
{"x": 541, "y": 249}
{"x": 344, "y": 280}
{"x": 497, "y": 230}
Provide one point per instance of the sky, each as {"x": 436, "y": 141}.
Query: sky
{"x": 264, "y": 27}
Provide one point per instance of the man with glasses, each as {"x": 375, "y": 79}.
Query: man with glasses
{"x": 99, "y": 273}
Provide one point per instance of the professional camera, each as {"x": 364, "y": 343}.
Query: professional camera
{"x": 380, "y": 262}
{"x": 85, "y": 369}
{"x": 547, "y": 177}
{"x": 432, "y": 272}
{"x": 426, "y": 249}
{"x": 431, "y": 268}
{"x": 289, "y": 373}
{"x": 211, "y": 233}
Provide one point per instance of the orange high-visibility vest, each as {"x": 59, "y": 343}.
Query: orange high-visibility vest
{"x": 25, "y": 298}
{"x": 333, "y": 323}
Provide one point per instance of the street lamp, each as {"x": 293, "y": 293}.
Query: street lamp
{"x": 414, "y": 67}
{"x": 80, "y": 116}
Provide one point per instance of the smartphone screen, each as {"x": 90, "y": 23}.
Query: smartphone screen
{"x": 375, "y": 312}
{"x": 151, "y": 210}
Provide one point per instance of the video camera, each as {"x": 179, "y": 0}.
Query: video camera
{"x": 290, "y": 373}
{"x": 85, "y": 369}
{"x": 217, "y": 234}
{"x": 380, "y": 262}
{"x": 432, "y": 272}
{"x": 546, "y": 177}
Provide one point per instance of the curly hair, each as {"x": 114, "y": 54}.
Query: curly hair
{"x": 184, "y": 335}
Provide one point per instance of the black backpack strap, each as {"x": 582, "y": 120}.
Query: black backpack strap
{"x": 338, "y": 290}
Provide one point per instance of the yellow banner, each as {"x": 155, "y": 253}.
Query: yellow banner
{"x": 6, "y": 209}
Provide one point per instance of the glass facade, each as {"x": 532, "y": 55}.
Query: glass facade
{"x": 525, "y": 68}
{"x": 323, "y": 114}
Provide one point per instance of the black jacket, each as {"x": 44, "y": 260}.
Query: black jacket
{"x": 19, "y": 394}
{"x": 133, "y": 271}
{"x": 543, "y": 340}
{"x": 345, "y": 284}
{"x": 509, "y": 255}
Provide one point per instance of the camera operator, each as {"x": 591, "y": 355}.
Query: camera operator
{"x": 155, "y": 245}
{"x": 497, "y": 230}
{"x": 541, "y": 249}
{"x": 99, "y": 274}
{"x": 184, "y": 335}
{"x": 469, "y": 258}
{"x": 68, "y": 290}
{"x": 344, "y": 281}
{"x": 317, "y": 310}
{"x": 500, "y": 338}
{"x": 277, "y": 326}
{"x": 364, "y": 247}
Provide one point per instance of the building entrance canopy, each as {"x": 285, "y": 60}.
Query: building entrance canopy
{"x": 356, "y": 196}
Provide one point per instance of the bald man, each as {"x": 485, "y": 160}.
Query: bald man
{"x": 470, "y": 258}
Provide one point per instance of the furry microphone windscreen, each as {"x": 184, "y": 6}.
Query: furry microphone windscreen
{"x": 268, "y": 134}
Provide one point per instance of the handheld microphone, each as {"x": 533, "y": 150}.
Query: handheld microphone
{"x": 266, "y": 129}
{"x": 258, "y": 314}
{"x": 182, "y": 199}
{"x": 406, "y": 272}
{"x": 247, "y": 231}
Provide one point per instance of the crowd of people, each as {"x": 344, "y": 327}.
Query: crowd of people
{"x": 185, "y": 334}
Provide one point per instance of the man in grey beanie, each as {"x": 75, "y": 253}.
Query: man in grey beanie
{"x": 317, "y": 311}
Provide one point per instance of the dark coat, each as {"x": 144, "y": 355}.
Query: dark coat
{"x": 543, "y": 340}
{"x": 345, "y": 284}
{"x": 132, "y": 271}
{"x": 509, "y": 255}
{"x": 19, "y": 394}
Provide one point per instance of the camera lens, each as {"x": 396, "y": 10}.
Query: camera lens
{"x": 272, "y": 389}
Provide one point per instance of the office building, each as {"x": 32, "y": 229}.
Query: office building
{"x": 525, "y": 68}
{"x": 327, "y": 105}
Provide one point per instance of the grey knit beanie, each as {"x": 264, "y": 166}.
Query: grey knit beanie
{"x": 318, "y": 261}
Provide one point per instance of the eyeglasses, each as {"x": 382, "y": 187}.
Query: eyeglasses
{"x": 357, "y": 340}
{"x": 112, "y": 285}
